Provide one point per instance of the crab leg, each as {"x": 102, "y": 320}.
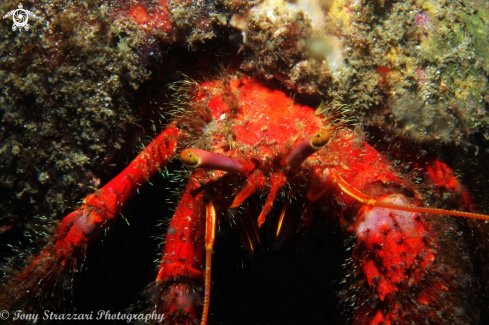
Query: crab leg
{"x": 82, "y": 227}
{"x": 398, "y": 255}
{"x": 180, "y": 276}
{"x": 393, "y": 255}
{"x": 442, "y": 177}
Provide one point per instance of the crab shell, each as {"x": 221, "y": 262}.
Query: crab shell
{"x": 396, "y": 256}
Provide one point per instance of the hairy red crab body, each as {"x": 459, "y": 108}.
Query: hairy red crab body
{"x": 252, "y": 145}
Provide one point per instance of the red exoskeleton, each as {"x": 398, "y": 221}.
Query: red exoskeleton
{"x": 249, "y": 145}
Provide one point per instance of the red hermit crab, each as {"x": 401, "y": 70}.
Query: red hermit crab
{"x": 254, "y": 153}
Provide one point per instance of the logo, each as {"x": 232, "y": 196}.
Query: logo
{"x": 20, "y": 17}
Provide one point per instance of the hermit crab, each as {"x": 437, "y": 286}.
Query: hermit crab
{"x": 261, "y": 160}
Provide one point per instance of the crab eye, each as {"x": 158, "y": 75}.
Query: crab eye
{"x": 189, "y": 158}
{"x": 320, "y": 139}
{"x": 306, "y": 148}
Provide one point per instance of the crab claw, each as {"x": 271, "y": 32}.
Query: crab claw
{"x": 52, "y": 268}
{"x": 394, "y": 244}
{"x": 442, "y": 177}
{"x": 180, "y": 303}
{"x": 396, "y": 254}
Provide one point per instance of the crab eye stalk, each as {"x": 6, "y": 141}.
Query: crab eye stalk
{"x": 204, "y": 159}
{"x": 306, "y": 148}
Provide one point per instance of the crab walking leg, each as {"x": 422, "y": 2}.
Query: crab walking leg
{"x": 180, "y": 275}
{"x": 82, "y": 227}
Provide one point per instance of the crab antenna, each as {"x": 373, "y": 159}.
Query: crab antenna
{"x": 210, "y": 236}
{"x": 367, "y": 200}
{"x": 306, "y": 148}
{"x": 204, "y": 159}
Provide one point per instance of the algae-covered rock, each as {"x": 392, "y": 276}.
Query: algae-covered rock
{"x": 65, "y": 95}
{"x": 435, "y": 53}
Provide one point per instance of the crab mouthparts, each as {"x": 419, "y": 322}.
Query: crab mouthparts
{"x": 197, "y": 158}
